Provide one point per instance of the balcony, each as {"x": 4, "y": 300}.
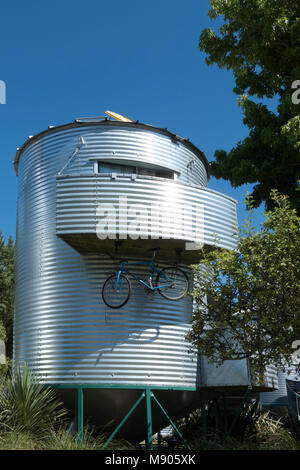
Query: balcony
{"x": 130, "y": 214}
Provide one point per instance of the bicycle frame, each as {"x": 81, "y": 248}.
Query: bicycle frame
{"x": 150, "y": 264}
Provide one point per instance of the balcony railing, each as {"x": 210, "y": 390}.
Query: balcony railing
{"x": 138, "y": 212}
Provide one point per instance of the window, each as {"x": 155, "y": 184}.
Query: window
{"x": 113, "y": 168}
{"x": 165, "y": 174}
{"x": 146, "y": 171}
{"x": 128, "y": 169}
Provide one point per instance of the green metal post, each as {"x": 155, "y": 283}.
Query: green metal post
{"x": 80, "y": 413}
{"x": 149, "y": 420}
{"x": 147, "y": 393}
{"x": 171, "y": 422}
{"x": 239, "y": 411}
{"x": 124, "y": 420}
{"x": 203, "y": 414}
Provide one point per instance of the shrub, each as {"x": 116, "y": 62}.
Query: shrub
{"x": 271, "y": 434}
{"x": 27, "y": 406}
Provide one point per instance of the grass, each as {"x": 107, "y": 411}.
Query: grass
{"x": 259, "y": 430}
{"x": 270, "y": 435}
{"x": 33, "y": 418}
{"x": 222, "y": 442}
{"x": 59, "y": 439}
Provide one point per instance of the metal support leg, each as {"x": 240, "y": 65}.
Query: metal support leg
{"x": 159, "y": 440}
{"x": 124, "y": 420}
{"x": 149, "y": 444}
{"x": 239, "y": 411}
{"x": 80, "y": 413}
{"x": 171, "y": 422}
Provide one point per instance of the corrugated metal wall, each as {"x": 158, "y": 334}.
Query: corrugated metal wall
{"x": 69, "y": 335}
{"x": 181, "y": 211}
{"x": 62, "y": 328}
{"x": 279, "y": 397}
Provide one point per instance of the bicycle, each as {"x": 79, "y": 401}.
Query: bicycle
{"x": 171, "y": 282}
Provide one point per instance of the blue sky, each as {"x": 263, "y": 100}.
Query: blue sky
{"x": 63, "y": 60}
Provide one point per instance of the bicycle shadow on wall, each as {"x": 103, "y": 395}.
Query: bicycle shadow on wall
{"x": 140, "y": 321}
{"x": 144, "y": 315}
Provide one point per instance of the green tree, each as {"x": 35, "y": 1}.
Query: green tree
{"x": 247, "y": 301}
{"x": 259, "y": 41}
{"x": 7, "y": 263}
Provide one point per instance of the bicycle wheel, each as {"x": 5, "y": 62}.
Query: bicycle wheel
{"x": 174, "y": 283}
{"x": 113, "y": 295}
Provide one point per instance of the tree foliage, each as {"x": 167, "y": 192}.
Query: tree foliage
{"x": 259, "y": 41}
{"x": 247, "y": 303}
{"x": 7, "y": 263}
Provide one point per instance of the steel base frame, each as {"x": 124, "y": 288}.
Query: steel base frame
{"x": 147, "y": 394}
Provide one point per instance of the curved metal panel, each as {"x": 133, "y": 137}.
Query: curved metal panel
{"x": 74, "y": 149}
{"x": 163, "y": 209}
{"x": 62, "y": 328}
{"x": 104, "y": 124}
{"x": 67, "y": 334}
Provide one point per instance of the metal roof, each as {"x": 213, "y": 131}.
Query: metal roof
{"x": 86, "y": 122}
